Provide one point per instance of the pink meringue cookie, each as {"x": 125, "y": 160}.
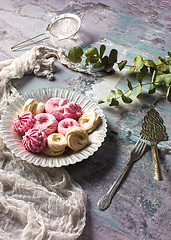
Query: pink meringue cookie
{"x": 24, "y": 122}
{"x": 65, "y": 124}
{"x": 55, "y": 106}
{"x": 45, "y": 122}
{"x": 34, "y": 140}
{"x": 72, "y": 110}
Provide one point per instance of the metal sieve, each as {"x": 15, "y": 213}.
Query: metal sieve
{"x": 62, "y": 27}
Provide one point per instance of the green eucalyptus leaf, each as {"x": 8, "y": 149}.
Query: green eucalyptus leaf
{"x": 150, "y": 63}
{"x": 113, "y": 56}
{"x": 114, "y": 102}
{"x": 152, "y": 70}
{"x": 152, "y": 89}
{"x": 170, "y": 69}
{"x": 168, "y": 94}
{"x": 122, "y": 64}
{"x": 93, "y": 59}
{"x": 98, "y": 65}
{"x": 139, "y": 89}
{"x": 112, "y": 59}
{"x": 144, "y": 70}
{"x": 166, "y": 78}
{"x": 139, "y": 63}
{"x": 119, "y": 91}
{"x": 158, "y": 80}
{"x": 129, "y": 93}
{"x": 109, "y": 67}
{"x": 146, "y": 62}
{"x": 75, "y": 54}
{"x": 92, "y": 51}
{"x": 101, "y": 63}
{"x": 131, "y": 69}
{"x": 102, "y": 100}
{"x": 161, "y": 64}
{"x": 126, "y": 99}
{"x": 162, "y": 59}
{"x": 129, "y": 84}
{"x": 87, "y": 61}
{"x": 169, "y": 60}
{"x": 139, "y": 77}
{"x": 102, "y": 50}
{"x": 111, "y": 94}
{"x": 104, "y": 60}
{"x": 169, "y": 54}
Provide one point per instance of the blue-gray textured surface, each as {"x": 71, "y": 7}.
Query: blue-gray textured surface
{"x": 141, "y": 206}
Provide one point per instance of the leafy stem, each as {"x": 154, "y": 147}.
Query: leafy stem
{"x": 160, "y": 71}
{"x": 128, "y": 91}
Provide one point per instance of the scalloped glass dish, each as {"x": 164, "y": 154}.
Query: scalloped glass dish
{"x": 13, "y": 140}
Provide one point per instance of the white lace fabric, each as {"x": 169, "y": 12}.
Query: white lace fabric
{"x": 36, "y": 203}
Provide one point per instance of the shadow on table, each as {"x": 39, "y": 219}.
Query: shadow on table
{"x": 92, "y": 172}
{"x": 96, "y": 167}
{"x": 87, "y": 232}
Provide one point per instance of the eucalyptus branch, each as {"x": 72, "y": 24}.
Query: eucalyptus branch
{"x": 96, "y": 59}
{"x": 128, "y": 91}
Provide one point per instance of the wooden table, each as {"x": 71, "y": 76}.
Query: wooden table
{"x": 140, "y": 208}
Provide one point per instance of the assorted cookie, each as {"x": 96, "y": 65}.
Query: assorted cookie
{"x": 55, "y": 126}
{"x": 45, "y": 122}
{"x": 56, "y": 144}
{"x": 34, "y": 140}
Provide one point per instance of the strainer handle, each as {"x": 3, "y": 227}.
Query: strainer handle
{"x": 81, "y": 15}
{"x": 22, "y": 45}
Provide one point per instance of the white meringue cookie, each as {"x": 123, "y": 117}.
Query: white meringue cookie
{"x": 33, "y": 106}
{"x": 56, "y": 144}
{"x": 89, "y": 121}
{"x": 77, "y": 138}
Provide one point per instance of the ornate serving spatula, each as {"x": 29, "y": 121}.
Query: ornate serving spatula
{"x": 155, "y": 131}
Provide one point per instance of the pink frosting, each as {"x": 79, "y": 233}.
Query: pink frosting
{"x": 65, "y": 124}
{"x": 55, "y": 106}
{"x": 24, "y": 122}
{"x": 45, "y": 122}
{"x": 72, "y": 110}
{"x": 34, "y": 140}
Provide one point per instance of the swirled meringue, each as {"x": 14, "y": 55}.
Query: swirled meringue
{"x": 34, "y": 140}
{"x": 89, "y": 121}
{"x": 24, "y": 122}
{"x": 56, "y": 144}
{"x": 33, "y": 106}
{"x": 55, "y": 106}
{"x": 77, "y": 138}
{"x": 72, "y": 110}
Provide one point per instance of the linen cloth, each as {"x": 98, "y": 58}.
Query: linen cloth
{"x": 36, "y": 203}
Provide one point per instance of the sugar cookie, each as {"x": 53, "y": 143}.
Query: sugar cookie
{"x": 56, "y": 144}
{"x": 89, "y": 121}
{"x": 77, "y": 138}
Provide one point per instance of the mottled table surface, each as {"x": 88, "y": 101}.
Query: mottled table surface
{"x": 141, "y": 207}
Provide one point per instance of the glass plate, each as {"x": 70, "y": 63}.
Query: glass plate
{"x": 13, "y": 140}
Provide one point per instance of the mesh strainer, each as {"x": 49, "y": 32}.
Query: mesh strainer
{"x": 62, "y": 27}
